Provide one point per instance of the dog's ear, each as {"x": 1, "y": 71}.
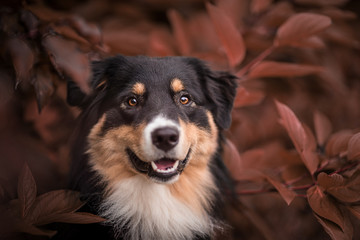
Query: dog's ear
{"x": 220, "y": 91}
{"x": 76, "y": 97}
{"x": 221, "y": 87}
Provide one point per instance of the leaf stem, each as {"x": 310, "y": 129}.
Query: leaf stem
{"x": 246, "y": 69}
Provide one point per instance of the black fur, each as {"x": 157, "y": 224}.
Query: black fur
{"x": 214, "y": 91}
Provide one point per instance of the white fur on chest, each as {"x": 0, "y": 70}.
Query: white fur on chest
{"x": 150, "y": 211}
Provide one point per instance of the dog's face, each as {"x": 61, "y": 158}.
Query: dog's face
{"x": 156, "y": 117}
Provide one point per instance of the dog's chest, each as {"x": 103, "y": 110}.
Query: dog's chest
{"x": 148, "y": 210}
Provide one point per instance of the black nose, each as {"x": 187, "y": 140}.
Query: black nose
{"x": 165, "y": 138}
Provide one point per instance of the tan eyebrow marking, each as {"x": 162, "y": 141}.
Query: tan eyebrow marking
{"x": 138, "y": 89}
{"x": 177, "y": 85}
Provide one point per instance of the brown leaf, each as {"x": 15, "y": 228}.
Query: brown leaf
{"x": 324, "y": 206}
{"x": 258, "y": 6}
{"x": 338, "y": 142}
{"x": 345, "y": 190}
{"x": 322, "y": 3}
{"x": 282, "y": 69}
{"x": 248, "y": 98}
{"x": 232, "y": 158}
{"x": 180, "y": 31}
{"x": 287, "y": 194}
{"x": 72, "y": 217}
{"x": 301, "y": 138}
{"x": 54, "y": 202}
{"x": 299, "y": 27}
{"x": 26, "y": 190}
{"x": 228, "y": 34}
{"x": 355, "y": 210}
{"x": 25, "y": 227}
{"x": 310, "y": 42}
{"x": 354, "y": 147}
{"x": 66, "y": 58}
{"x": 334, "y": 231}
{"x": 323, "y": 127}
{"x": 89, "y": 31}
{"x": 43, "y": 86}
{"x": 22, "y": 57}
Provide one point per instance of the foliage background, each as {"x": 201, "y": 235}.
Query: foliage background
{"x": 293, "y": 148}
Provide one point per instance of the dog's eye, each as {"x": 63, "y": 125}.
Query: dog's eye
{"x": 184, "y": 100}
{"x": 132, "y": 102}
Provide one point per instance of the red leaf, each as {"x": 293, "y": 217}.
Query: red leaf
{"x": 72, "y": 217}
{"x": 54, "y": 202}
{"x": 180, "y": 32}
{"x": 301, "y": 138}
{"x": 324, "y": 206}
{"x": 322, "y": 3}
{"x": 228, "y": 34}
{"x": 26, "y": 190}
{"x": 338, "y": 142}
{"x": 247, "y": 98}
{"x": 323, "y": 127}
{"x": 43, "y": 86}
{"x": 287, "y": 194}
{"x": 281, "y": 69}
{"x": 355, "y": 210}
{"x": 334, "y": 231}
{"x": 67, "y": 58}
{"x": 354, "y": 148}
{"x": 89, "y": 31}
{"x": 232, "y": 158}
{"x": 258, "y": 6}
{"x": 299, "y": 27}
{"x": 345, "y": 190}
{"x": 22, "y": 57}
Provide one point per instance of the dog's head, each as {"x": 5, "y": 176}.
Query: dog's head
{"x": 154, "y": 116}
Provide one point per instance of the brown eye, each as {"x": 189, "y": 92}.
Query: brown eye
{"x": 184, "y": 100}
{"x": 132, "y": 102}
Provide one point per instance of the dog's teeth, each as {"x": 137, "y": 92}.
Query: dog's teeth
{"x": 167, "y": 170}
{"x": 153, "y": 165}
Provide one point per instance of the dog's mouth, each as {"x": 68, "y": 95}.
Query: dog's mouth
{"x": 163, "y": 169}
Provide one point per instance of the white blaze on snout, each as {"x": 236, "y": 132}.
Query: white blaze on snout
{"x": 151, "y": 152}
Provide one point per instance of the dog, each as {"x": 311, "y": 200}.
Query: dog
{"x": 147, "y": 156}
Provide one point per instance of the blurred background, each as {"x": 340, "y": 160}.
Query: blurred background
{"x": 45, "y": 42}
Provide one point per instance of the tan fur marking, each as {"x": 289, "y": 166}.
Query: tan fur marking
{"x": 107, "y": 153}
{"x": 177, "y": 85}
{"x": 195, "y": 185}
{"x": 138, "y": 89}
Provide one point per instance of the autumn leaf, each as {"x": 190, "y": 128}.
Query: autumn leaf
{"x": 246, "y": 97}
{"x": 287, "y": 194}
{"x": 299, "y": 27}
{"x": 52, "y": 203}
{"x": 334, "y": 231}
{"x": 26, "y": 190}
{"x": 72, "y": 217}
{"x": 89, "y": 31}
{"x": 282, "y": 69}
{"x": 354, "y": 147}
{"x": 324, "y": 206}
{"x": 323, "y": 127}
{"x": 321, "y": 3}
{"x": 258, "y": 6}
{"x": 23, "y": 58}
{"x": 355, "y": 210}
{"x": 180, "y": 32}
{"x": 345, "y": 190}
{"x": 66, "y": 58}
{"x": 301, "y": 137}
{"x": 228, "y": 34}
{"x": 43, "y": 86}
{"x": 338, "y": 142}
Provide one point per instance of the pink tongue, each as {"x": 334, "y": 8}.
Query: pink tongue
{"x": 165, "y": 163}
